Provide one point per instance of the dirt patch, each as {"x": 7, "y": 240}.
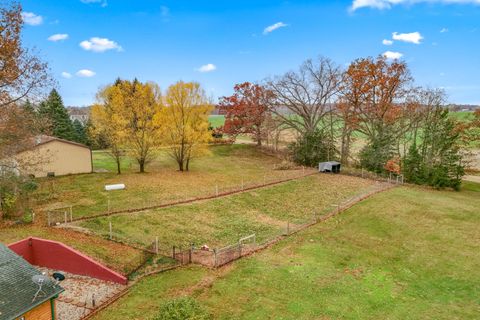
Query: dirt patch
{"x": 472, "y": 178}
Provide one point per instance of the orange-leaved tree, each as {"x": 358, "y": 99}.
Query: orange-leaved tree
{"x": 246, "y": 110}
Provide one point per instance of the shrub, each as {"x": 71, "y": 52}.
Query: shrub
{"x": 313, "y": 148}
{"x": 185, "y": 308}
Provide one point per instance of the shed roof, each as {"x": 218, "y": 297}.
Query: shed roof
{"x": 42, "y": 139}
{"x": 17, "y": 289}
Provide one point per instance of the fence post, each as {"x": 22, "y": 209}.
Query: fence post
{"x": 33, "y": 217}
{"x": 71, "y": 213}
{"x": 156, "y": 245}
{"x": 110, "y": 227}
{"x": 215, "y": 257}
{"x": 190, "y": 253}
{"x": 65, "y": 213}
{"x": 216, "y": 190}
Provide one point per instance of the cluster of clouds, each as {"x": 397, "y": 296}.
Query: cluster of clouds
{"x": 100, "y": 45}
{"x": 388, "y": 4}
{"x": 412, "y": 37}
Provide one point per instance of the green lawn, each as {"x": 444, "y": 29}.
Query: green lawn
{"x": 408, "y": 253}
{"x": 225, "y": 167}
{"x": 223, "y": 221}
{"x": 216, "y": 120}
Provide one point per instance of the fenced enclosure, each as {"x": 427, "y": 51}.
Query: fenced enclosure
{"x": 245, "y": 245}
{"x": 112, "y": 205}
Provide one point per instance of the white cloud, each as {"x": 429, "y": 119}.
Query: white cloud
{"x": 85, "y": 73}
{"x": 32, "y": 19}
{"x": 274, "y": 27}
{"x": 102, "y": 3}
{"x": 66, "y": 75}
{"x": 207, "y": 68}
{"x": 387, "y": 42}
{"x": 413, "y": 37}
{"x": 96, "y": 44}
{"x": 444, "y": 30}
{"x": 387, "y": 4}
{"x": 392, "y": 55}
{"x": 58, "y": 37}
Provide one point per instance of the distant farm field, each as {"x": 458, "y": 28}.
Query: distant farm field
{"x": 225, "y": 168}
{"x": 216, "y": 120}
{"x": 266, "y": 212}
{"x": 407, "y": 253}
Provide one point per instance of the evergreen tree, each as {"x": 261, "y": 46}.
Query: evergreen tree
{"x": 437, "y": 161}
{"x": 28, "y": 107}
{"x": 80, "y": 132}
{"x": 53, "y": 111}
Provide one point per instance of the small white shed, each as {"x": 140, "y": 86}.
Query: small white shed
{"x": 329, "y": 166}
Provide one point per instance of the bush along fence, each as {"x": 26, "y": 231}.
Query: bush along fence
{"x": 67, "y": 214}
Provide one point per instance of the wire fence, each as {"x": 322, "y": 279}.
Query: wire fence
{"x": 113, "y": 206}
{"x": 181, "y": 254}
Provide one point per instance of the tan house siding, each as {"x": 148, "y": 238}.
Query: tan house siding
{"x": 57, "y": 156}
{"x": 41, "y": 312}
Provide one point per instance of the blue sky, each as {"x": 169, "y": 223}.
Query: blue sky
{"x": 220, "y": 43}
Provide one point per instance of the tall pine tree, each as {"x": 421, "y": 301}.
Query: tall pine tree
{"x": 53, "y": 111}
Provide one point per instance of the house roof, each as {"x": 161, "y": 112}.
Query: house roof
{"x": 43, "y": 139}
{"x": 17, "y": 289}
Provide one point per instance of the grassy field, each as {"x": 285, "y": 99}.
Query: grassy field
{"x": 223, "y": 221}
{"x": 216, "y": 120}
{"x": 408, "y": 253}
{"x": 225, "y": 167}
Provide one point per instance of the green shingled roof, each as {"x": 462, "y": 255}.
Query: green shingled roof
{"x": 16, "y": 286}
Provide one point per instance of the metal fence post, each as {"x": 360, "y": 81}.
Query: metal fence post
{"x": 190, "y": 253}
{"x": 110, "y": 227}
{"x": 65, "y": 213}
{"x": 215, "y": 257}
{"x": 71, "y": 213}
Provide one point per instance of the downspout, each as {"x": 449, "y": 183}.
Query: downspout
{"x": 52, "y": 307}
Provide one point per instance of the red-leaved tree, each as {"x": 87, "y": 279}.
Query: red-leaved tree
{"x": 246, "y": 110}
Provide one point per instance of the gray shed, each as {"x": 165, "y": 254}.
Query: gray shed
{"x": 329, "y": 166}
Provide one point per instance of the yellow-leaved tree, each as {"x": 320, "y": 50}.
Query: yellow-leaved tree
{"x": 107, "y": 123}
{"x": 126, "y": 115}
{"x": 185, "y": 122}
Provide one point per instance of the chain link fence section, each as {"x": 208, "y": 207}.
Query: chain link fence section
{"x": 59, "y": 216}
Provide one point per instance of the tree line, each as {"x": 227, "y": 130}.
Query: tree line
{"x": 403, "y": 129}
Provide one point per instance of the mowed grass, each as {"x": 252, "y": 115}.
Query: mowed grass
{"x": 408, "y": 253}
{"x": 121, "y": 258}
{"x": 225, "y": 167}
{"x": 219, "y": 222}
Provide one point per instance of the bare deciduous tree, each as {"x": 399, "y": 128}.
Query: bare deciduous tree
{"x": 303, "y": 98}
